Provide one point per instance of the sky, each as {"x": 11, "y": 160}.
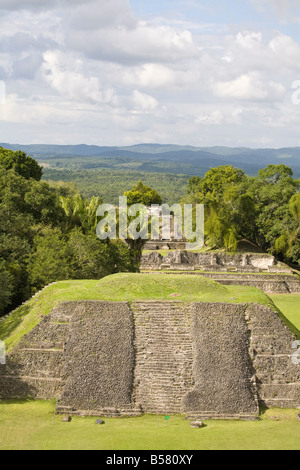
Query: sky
{"x": 123, "y": 72}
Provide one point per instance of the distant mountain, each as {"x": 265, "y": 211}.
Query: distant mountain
{"x": 160, "y": 158}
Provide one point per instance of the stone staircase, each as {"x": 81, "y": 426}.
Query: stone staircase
{"x": 164, "y": 355}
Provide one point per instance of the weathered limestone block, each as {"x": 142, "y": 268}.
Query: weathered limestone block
{"x": 152, "y": 259}
{"x": 222, "y": 366}
{"x": 272, "y": 347}
{"x": 99, "y": 356}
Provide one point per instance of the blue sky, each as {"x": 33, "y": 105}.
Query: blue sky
{"x": 106, "y": 72}
{"x": 247, "y": 13}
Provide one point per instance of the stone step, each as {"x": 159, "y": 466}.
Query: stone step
{"x": 279, "y": 402}
{"x": 102, "y": 412}
{"x": 206, "y": 416}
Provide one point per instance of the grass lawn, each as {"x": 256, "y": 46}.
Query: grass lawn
{"x": 32, "y": 425}
{"x": 289, "y": 304}
{"x": 124, "y": 287}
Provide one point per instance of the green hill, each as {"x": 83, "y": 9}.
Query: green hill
{"x": 124, "y": 287}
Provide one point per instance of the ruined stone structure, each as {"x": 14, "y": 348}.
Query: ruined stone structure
{"x": 249, "y": 269}
{"x": 205, "y": 360}
{"x": 162, "y": 242}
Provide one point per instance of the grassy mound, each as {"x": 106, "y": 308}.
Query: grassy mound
{"x": 124, "y": 287}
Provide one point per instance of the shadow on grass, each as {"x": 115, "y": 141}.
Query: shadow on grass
{"x": 16, "y": 401}
{"x": 8, "y": 325}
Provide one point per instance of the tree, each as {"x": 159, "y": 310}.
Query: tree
{"x": 89, "y": 257}
{"x": 288, "y": 243}
{"x": 49, "y": 260}
{"x": 6, "y": 288}
{"x": 275, "y": 173}
{"x": 220, "y": 192}
{"x": 141, "y": 194}
{"x": 146, "y": 196}
{"x": 80, "y": 212}
{"x": 20, "y": 163}
{"x": 217, "y": 180}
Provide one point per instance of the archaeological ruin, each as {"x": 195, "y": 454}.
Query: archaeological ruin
{"x": 203, "y": 360}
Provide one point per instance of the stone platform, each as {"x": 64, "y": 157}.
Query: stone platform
{"x": 246, "y": 269}
{"x": 202, "y": 360}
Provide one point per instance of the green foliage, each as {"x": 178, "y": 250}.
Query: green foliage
{"x": 265, "y": 210}
{"x": 20, "y": 163}
{"x": 80, "y": 212}
{"x": 49, "y": 260}
{"x": 88, "y": 257}
{"x": 147, "y": 196}
{"x": 109, "y": 184}
{"x": 274, "y": 173}
{"x": 294, "y": 207}
{"x": 47, "y": 233}
{"x": 6, "y": 287}
{"x": 141, "y": 194}
{"x": 217, "y": 180}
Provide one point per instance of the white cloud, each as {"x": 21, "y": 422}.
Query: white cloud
{"x": 108, "y": 72}
{"x": 144, "y": 102}
{"x": 157, "y": 76}
{"x": 103, "y": 14}
{"x": 64, "y": 74}
{"x": 249, "y": 39}
{"x": 249, "y": 87}
{"x": 141, "y": 44}
{"x": 39, "y": 4}
{"x": 214, "y": 118}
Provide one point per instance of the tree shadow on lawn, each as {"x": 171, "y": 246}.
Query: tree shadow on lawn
{"x": 9, "y": 324}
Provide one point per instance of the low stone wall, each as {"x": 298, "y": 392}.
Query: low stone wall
{"x": 223, "y": 262}
{"x": 114, "y": 358}
{"x": 281, "y": 284}
{"x": 248, "y": 269}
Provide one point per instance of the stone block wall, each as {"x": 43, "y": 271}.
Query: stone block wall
{"x": 98, "y": 357}
{"x": 114, "y": 358}
{"x": 222, "y": 368}
{"x": 242, "y": 262}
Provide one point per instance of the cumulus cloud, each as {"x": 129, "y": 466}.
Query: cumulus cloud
{"x": 144, "y": 43}
{"x": 143, "y": 101}
{"x": 27, "y": 67}
{"x": 249, "y": 87}
{"x": 38, "y": 4}
{"x": 103, "y": 14}
{"x": 158, "y": 76}
{"x": 214, "y": 118}
{"x": 99, "y": 64}
{"x": 26, "y": 4}
{"x": 64, "y": 74}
